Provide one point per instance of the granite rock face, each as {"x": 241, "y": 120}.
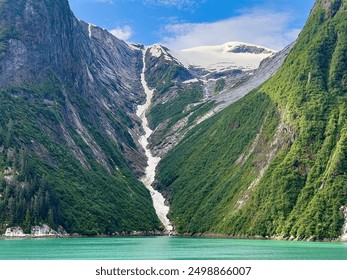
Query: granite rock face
{"x": 267, "y": 68}
{"x": 45, "y": 40}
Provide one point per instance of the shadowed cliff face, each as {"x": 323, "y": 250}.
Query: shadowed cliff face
{"x": 42, "y": 39}
{"x": 41, "y": 35}
{"x": 44, "y": 36}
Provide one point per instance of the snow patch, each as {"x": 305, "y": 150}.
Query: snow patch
{"x": 134, "y": 46}
{"x": 156, "y": 51}
{"x": 90, "y": 30}
{"x": 232, "y": 55}
{"x": 191, "y": 81}
{"x": 159, "y": 51}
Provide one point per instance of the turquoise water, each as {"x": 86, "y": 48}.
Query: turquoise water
{"x": 167, "y": 248}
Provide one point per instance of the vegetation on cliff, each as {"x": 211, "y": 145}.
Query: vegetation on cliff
{"x": 44, "y": 182}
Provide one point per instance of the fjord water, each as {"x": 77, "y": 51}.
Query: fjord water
{"x": 167, "y": 248}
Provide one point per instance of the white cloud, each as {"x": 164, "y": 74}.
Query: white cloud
{"x": 123, "y": 33}
{"x": 261, "y": 27}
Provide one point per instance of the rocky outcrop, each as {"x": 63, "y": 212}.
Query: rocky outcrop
{"x": 14, "y": 232}
{"x": 332, "y": 7}
{"x": 36, "y": 231}
{"x": 249, "y": 49}
{"x": 45, "y": 230}
{"x": 238, "y": 83}
{"x": 172, "y": 138}
{"x": 9, "y": 174}
{"x": 282, "y": 139}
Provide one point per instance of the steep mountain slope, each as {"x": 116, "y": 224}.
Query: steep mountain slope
{"x": 274, "y": 162}
{"x": 187, "y": 83}
{"x": 68, "y": 129}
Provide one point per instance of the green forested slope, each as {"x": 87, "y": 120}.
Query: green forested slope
{"x": 43, "y": 181}
{"x": 201, "y": 171}
{"x": 273, "y": 163}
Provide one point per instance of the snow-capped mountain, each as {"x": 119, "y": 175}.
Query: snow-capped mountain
{"x": 185, "y": 80}
{"x": 229, "y": 56}
{"x": 158, "y": 50}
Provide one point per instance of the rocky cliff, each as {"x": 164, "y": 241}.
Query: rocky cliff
{"x": 68, "y": 129}
{"x": 45, "y": 41}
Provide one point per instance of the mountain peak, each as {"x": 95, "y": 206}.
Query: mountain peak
{"x": 158, "y": 50}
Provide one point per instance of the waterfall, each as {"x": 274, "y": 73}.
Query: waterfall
{"x": 158, "y": 200}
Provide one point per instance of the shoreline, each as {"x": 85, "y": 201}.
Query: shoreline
{"x": 186, "y": 235}
{"x": 259, "y": 237}
{"x": 78, "y": 235}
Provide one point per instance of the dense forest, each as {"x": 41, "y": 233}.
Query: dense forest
{"x": 44, "y": 182}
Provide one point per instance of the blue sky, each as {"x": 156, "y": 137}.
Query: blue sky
{"x": 181, "y": 24}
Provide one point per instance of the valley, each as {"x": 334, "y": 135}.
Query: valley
{"x": 99, "y": 136}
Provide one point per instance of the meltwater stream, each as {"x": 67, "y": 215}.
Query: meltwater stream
{"x": 158, "y": 200}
